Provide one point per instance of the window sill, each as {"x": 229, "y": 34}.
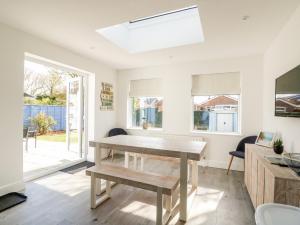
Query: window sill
{"x": 216, "y": 133}
{"x": 149, "y": 129}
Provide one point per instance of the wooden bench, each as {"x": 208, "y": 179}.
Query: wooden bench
{"x": 192, "y": 165}
{"x": 164, "y": 186}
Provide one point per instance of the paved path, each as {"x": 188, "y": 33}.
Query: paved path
{"x": 47, "y": 156}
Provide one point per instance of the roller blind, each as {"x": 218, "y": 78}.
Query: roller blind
{"x": 216, "y": 84}
{"x": 146, "y": 88}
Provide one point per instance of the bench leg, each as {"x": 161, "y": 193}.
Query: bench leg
{"x": 126, "y": 159}
{"x": 189, "y": 171}
{"x": 108, "y": 188}
{"x": 94, "y": 201}
{"x": 142, "y": 162}
{"x": 168, "y": 203}
{"x": 135, "y": 161}
{"x": 169, "y": 206}
{"x": 159, "y": 207}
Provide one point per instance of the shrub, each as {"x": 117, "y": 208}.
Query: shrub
{"x": 43, "y": 122}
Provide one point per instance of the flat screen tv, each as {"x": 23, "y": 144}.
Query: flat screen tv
{"x": 287, "y": 94}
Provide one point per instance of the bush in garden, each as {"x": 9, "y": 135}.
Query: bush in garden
{"x": 43, "y": 122}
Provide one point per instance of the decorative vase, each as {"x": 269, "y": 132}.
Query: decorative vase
{"x": 145, "y": 125}
{"x": 278, "y": 149}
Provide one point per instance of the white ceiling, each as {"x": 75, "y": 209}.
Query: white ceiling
{"x": 72, "y": 24}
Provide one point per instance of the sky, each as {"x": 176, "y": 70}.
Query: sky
{"x": 35, "y": 67}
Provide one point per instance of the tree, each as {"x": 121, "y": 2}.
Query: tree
{"x": 71, "y": 74}
{"x": 54, "y": 82}
{"x": 48, "y": 87}
{"x": 33, "y": 83}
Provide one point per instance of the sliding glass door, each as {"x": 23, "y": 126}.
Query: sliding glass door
{"x": 74, "y": 115}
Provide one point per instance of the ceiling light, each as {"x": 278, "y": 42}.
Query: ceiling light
{"x": 245, "y": 17}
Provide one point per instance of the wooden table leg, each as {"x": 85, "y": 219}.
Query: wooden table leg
{"x": 98, "y": 159}
{"x": 194, "y": 174}
{"x": 183, "y": 187}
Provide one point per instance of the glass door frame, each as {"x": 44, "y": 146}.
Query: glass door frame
{"x": 86, "y": 76}
{"x": 80, "y": 115}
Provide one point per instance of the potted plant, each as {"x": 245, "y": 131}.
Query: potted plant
{"x": 278, "y": 146}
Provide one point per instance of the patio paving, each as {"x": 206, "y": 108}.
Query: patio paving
{"x": 46, "y": 157}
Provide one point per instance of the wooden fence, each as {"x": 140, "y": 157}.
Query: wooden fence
{"x": 56, "y": 111}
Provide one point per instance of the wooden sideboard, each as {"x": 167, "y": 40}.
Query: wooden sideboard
{"x": 268, "y": 183}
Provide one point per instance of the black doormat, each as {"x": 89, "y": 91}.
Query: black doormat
{"x": 78, "y": 167}
{"x": 10, "y": 200}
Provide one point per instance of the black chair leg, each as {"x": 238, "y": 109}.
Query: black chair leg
{"x": 230, "y": 162}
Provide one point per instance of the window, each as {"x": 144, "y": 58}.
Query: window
{"x": 216, "y": 100}
{"x": 157, "y": 31}
{"x": 147, "y": 109}
{"x": 217, "y": 113}
{"x": 145, "y": 103}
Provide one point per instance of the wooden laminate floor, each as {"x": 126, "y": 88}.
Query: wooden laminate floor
{"x": 63, "y": 199}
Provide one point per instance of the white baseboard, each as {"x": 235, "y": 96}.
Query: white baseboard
{"x": 220, "y": 164}
{"x": 13, "y": 187}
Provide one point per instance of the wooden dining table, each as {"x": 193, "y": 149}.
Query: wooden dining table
{"x": 184, "y": 150}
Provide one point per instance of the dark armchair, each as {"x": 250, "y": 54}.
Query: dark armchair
{"x": 240, "y": 149}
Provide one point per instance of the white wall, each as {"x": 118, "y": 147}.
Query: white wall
{"x": 13, "y": 44}
{"x": 177, "y": 116}
{"x": 282, "y": 55}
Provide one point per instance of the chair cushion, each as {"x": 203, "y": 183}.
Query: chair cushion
{"x": 238, "y": 154}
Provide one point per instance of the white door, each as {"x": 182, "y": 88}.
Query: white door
{"x": 224, "y": 122}
{"x": 74, "y": 115}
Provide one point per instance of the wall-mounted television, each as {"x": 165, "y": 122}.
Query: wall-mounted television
{"x": 287, "y": 94}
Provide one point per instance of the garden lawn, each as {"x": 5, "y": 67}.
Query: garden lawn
{"x": 58, "y": 137}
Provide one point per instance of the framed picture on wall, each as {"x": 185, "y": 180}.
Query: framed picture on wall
{"x": 265, "y": 139}
{"x": 106, "y": 97}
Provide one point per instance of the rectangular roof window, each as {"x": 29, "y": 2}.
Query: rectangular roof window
{"x": 165, "y": 30}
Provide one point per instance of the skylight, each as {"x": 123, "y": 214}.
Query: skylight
{"x": 166, "y": 30}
